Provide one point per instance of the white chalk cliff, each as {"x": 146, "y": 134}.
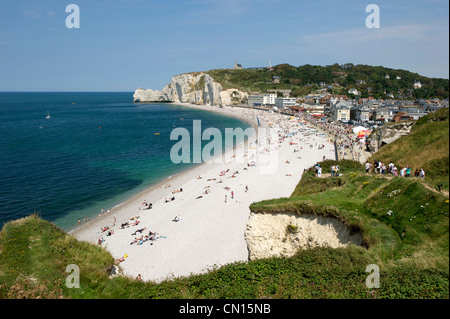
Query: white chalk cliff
{"x": 267, "y": 234}
{"x": 195, "y": 88}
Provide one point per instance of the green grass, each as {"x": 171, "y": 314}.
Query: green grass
{"x": 302, "y": 80}
{"x": 427, "y": 147}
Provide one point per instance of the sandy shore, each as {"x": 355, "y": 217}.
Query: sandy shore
{"x": 214, "y": 209}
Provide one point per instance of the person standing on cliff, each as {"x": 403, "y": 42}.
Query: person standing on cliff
{"x": 422, "y": 173}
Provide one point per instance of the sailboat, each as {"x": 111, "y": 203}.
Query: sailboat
{"x": 48, "y": 115}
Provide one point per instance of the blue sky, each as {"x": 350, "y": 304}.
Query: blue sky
{"x": 125, "y": 44}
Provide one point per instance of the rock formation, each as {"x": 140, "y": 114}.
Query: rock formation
{"x": 387, "y": 134}
{"x": 195, "y": 88}
{"x": 283, "y": 234}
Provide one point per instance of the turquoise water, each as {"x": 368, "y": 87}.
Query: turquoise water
{"x": 96, "y": 150}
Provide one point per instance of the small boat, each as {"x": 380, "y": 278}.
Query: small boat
{"x": 48, "y": 115}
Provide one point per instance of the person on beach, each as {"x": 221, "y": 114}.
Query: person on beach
{"x": 232, "y": 194}
{"x": 138, "y": 231}
{"x": 149, "y": 206}
{"x": 100, "y": 240}
{"x": 225, "y": 198}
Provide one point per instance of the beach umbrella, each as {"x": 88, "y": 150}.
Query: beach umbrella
{"x": 358, "y": 129}
{"x": 364, "y": 133}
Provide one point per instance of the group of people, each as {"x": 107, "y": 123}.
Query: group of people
{"x": 343, "y": 134}
{"x": 134, "y": 221}
{"x": 380, "y": 168}
{"x": 335, "y": 170}
{"x": 151, "y": 236}
{"x": 146, "y": 205}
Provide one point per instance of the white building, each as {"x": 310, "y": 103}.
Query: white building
{"x": 282, "y": 102}
{"x": 417, "y": 85}
{"x": 340, "y": 112}
{"x": 354, "y": 91}
{"x": 262, "y": 99}
{"x": 269, "y": 99}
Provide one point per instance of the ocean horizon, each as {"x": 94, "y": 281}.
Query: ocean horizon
{"x": 95, "y": 150}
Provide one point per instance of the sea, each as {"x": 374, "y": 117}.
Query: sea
{"x": 95, "y": 150}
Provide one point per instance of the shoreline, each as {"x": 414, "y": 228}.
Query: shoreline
{"x": 214, "y": 210}
{"x": 176, "y": 178}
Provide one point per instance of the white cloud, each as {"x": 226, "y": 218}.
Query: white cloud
{"x": 362, "y": 35}
{"x": 33, "y": 13}
{"x": 37, "y": 13}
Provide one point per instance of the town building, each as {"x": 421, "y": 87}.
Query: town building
{"x": 382, "y": 115}
{"x": 255, "y": 100}
{"x": 338, "y": 112}
{"x": 286, "y": 93}
{"x": 401, "y": 117}
{"x": 261, "y": 99}
{"x": 269, "y": 99}
{"x": 354, "y": 91}
{"x": 237, "y": 66}
{"x": 360, "y": 113}
{"x": 282, "y": 102}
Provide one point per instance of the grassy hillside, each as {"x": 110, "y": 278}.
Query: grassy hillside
{"x": 369, "y": 80}
{"x": 410, "y": 245}
{"x": 427, "y": 147}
